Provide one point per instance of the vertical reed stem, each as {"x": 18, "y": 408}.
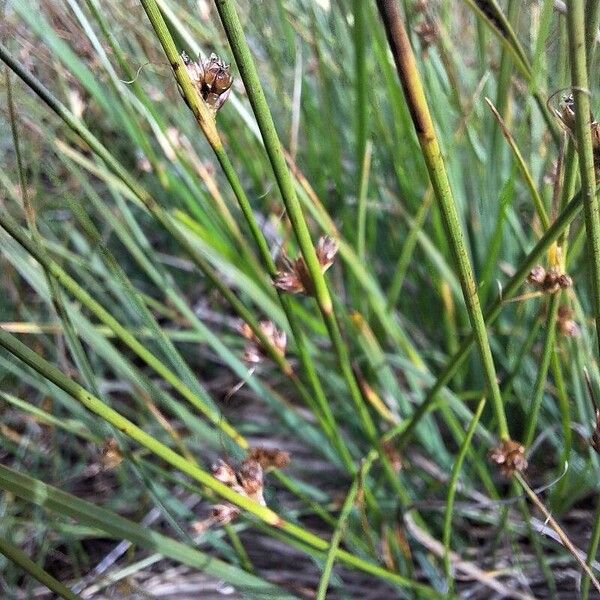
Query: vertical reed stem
{"x": 417, "y": 104}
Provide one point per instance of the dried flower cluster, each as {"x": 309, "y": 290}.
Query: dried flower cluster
{"x": 549, "y": 281}
{"x": 509, "y": 456}
{"x": 254, "y": 351}
{"x": 294, "y": 278}
{"x": 567, "y": 111}
{"x": 110, "y": 454}
{"x": 567, "y": 116}
{"x": 428, "y": 33}
{"x": 269, "y": 458}
{"x": 246, "y": 480}
{"x": 565, "y": 323}
{"x": 212, "y": 79}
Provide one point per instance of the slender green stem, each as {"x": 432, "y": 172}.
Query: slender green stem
{"x": 360, "y": 83}
{"x": 417, "y": 103}
{"x": 362, "y": 150}
{"x": 247, "y": 68}
{"x": 198, "y": 108}
{"x": 592, "y": 20}
{"x": 407, "y": 250}
{"x": 361, "y": 224}
{"x": 19, "y": 557}
{"x": 452, "y": 487}
{"x": 339, "y": 528}
{"x": 68, "y": 283}
{"x": 577, "y": 46}
{"x": 540, "y": 380}
{"x": 165, "y": 220}
{"x": 114, "y": 418}
{"x": 535, "y": 196}
{"x": 569, "y": 213}
{"x": 581, "y": 93}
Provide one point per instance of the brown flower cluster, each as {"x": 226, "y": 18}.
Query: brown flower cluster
{"x": 247, "y": 480}
{"x": 269, "y": 458}
{"x": 212, "y": 79}
{"x": 428, "y": 32}
{"x": 549, "y": 281}
{"x": 110, "y": 454}
{"x": 509, "y": 456}
{"x": 565, "y": 322}
{"x": 567, "y": 111}
{"x": 568, "y": 117}
{"x": 254, "y": 351}
{"x": 293, "y": 276}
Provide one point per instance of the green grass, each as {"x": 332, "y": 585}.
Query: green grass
{"x": 138, "y": 229}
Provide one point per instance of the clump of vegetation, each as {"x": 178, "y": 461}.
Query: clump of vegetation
{"x": 301, "y": 299}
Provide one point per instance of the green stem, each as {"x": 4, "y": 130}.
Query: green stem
{"x": 452, "y": 487}
{"x": 69, "y": 284}
{"x": 544, "y": 364}
{"x": 198, "y": 107}
{"x": 406, "y": 253}
{"x": 263, "y": 513}
{"x": 339, "y": 529}
{"x": 579, "y": 75}
{"x": 362, "y": 151}
{"x": 361, "y": 224}
{"x": 569, "y": 213}
{"x": 417, "y": 103}
{"x": 247, "y": 68}
{"x": 19, "y": 557}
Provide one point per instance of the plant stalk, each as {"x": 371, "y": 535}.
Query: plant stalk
{"x": 417, "y": 104}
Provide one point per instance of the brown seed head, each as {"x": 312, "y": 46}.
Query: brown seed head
{"x": 270, "y": 458}
{"x": 551, "y": 280}
{"x": 537, "y": 275}
{"x": 509, "y": 456}
{"x": 224, "y": 473}
{"x": 567, "y": 111}
{"x": 565, "y": 323}
{"x": 275, "y": 336}
{"x": 254, "y": 352}
{"x": 428, "y": 33}
{"x": 564, "y": 312}
{"x": 293, "y": 276}
{"x": 326, "y": 249}
{"x": 564, "y": 281}
{"x": 250, "y": 476}
{"x": 224, "y": 513}
{"x": 212, "y": 79}
{"x": 110, "y": 455}
{"x": 289, "y": 281}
